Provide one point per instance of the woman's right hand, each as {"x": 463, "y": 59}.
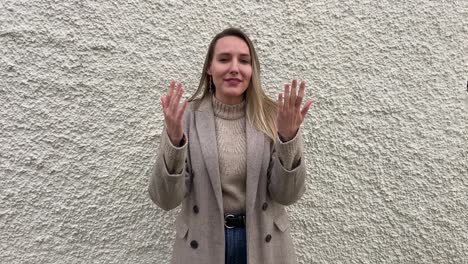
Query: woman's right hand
{"x": 174, "y": 112}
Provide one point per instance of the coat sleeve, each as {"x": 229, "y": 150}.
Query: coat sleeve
{"x": 286, "y": 172}
{"x": 170, "y": 178}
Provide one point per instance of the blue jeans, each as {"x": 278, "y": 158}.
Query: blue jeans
{"x": 236, "y": 245}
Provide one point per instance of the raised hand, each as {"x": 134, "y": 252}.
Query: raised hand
{"x": 290, "y": 115}
{"x": 174, "y": 112}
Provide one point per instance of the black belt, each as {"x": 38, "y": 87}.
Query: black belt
{"x": 231, "y": 221}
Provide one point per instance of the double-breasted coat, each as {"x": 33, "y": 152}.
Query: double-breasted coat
{"x": 200, "y": 224}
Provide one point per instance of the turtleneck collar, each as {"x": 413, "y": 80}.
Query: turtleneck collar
{"x": 229, "y": 112}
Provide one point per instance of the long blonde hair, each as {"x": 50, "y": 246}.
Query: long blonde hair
{"x": 260, "y": 109}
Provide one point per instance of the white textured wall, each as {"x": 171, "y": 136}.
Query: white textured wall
{"x": 387, "y": 136}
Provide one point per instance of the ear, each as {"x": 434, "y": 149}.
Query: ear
{"x": 208, "y": 71}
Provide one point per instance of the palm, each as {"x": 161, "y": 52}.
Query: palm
{"x": 290, "y": 115}
{"x": 173, "y": 112}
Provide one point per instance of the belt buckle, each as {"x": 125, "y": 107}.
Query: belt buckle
{"x": 229, "y": 216}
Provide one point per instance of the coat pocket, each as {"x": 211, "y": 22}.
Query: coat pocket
{"x": 282, "y": 222}
{"x": 181, "y": 228}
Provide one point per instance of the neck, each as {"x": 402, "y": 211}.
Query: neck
{"x": 231, "y": 100}
{"x": 227, "y": 111}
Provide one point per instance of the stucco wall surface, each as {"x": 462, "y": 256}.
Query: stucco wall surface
{"x": 386, "y": 138}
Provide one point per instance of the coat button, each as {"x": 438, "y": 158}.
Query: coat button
{"x": 194, "y": 244}
{"x": 268, "y": 238}
{"x": 264, "y": 206}
{"x": 195, "y": 209}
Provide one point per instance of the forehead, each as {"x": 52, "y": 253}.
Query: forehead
{"x": 231, "y": 45}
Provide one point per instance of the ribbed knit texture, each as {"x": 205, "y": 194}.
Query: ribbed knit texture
{"x": 232, "y": 153}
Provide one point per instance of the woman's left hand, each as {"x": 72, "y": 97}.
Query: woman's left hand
{"x": 290, "y": 115}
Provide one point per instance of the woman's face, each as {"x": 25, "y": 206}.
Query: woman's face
{"x": 231, "y": 69}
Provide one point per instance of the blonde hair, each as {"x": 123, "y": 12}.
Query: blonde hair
{"x": 260, "y": 109}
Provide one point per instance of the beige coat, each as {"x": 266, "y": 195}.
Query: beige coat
{"x": 200, "y": 224}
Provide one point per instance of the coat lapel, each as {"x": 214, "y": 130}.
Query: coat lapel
{"x": 206, "y": 131}
{"x": 255, "y": 142}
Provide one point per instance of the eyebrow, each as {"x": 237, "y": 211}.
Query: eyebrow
{"x": 229, "y": 54}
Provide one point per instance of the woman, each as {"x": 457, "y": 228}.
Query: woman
{"x": 233, "y": 158}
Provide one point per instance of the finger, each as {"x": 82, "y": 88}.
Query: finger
{"x": 170, "y": 90}
{"x": 176, "y": 98}
{"x": 182, "y": 109}
{"x": 293, "y": 93}
{"x": 170, "y": 96}
{"x": 280, "y": 102}
{"x": 286, "y": 97}
{"x": 306, "y": 108}
{"x": 301, "y": 95}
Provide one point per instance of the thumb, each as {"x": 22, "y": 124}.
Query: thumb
{"x": 163, "y": 101}
{"x": 306, "y": 108}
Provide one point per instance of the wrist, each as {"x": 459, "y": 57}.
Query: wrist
{"x": 176, "y": 141}
{"x": 282, "y": 138}
{"x": 287, "y": 137}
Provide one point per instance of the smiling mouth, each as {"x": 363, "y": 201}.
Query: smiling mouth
{"x": 232, "y": 80}
{"x": 232, "y": 83}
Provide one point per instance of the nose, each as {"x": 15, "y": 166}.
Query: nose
{"x": 234, "y": 67}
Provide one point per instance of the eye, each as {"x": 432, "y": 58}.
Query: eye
{"x": 244, "y": 59}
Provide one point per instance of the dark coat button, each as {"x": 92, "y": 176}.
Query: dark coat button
{"x": 268, "y": 238}
{"x": 194, "y": 244}
{"x": 195, "y": 209}
{"x": 264, "y": 206}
